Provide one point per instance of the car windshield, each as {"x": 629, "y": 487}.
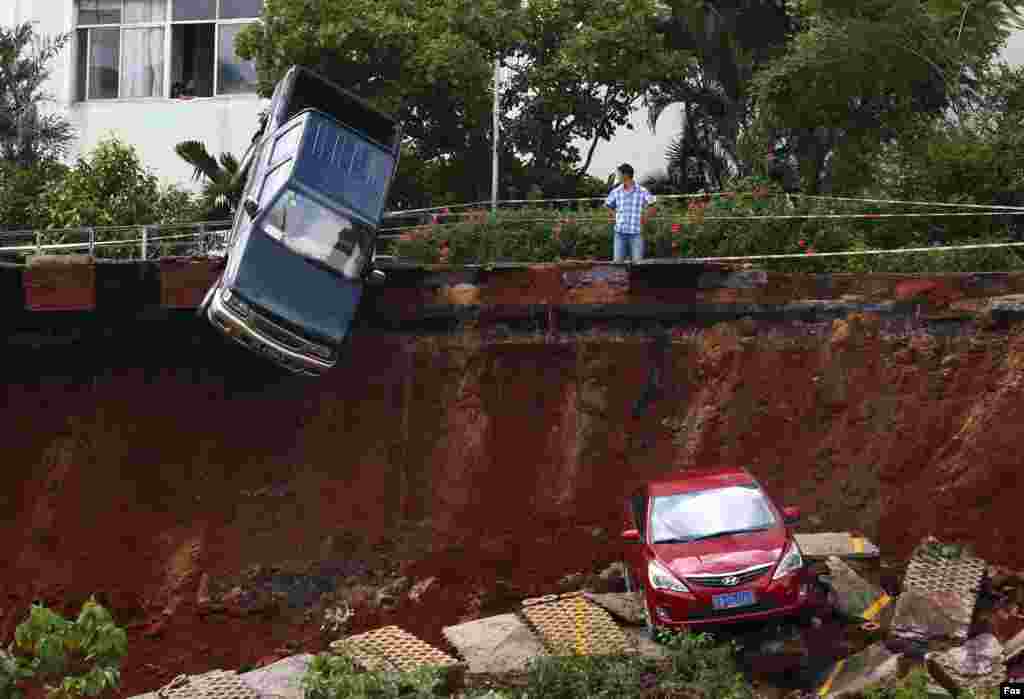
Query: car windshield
{"x": 319, "y": 234}
{"x": 706, "y": 513}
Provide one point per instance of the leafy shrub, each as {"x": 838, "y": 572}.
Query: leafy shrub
{"x": 726, "y": 225}
{"x": 83, "y": 656}
{"x": 337, "y": 676}
{"x": 20, "y": 190}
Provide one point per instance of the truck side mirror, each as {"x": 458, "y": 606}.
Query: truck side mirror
{"x": 376, "y": 277}
{"x": 251, "y": 207}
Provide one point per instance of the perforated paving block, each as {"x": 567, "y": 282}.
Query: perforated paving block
{"x": 218, "y": 684}
{"x": 940, "y": 592}
{"x": 571, "y": 624}
{"x": 392, "y": 648}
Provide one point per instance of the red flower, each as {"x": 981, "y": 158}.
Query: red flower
{"x": 810, "y": 251}
{"x": 444, "y": 210}
{"x": 433, "y": 218}
{"x": 676, "y": 227}
{"x": 803, "y": 243}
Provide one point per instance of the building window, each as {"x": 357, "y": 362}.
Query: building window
{"x": 162, "y": 48}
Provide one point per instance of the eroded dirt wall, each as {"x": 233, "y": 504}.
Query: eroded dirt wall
{"x": 161, "y": 484}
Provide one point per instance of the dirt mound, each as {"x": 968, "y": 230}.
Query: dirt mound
{"x": 218, "y": 513}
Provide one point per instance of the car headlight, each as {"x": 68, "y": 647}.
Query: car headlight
{"x": 791, "y": 560}
{"x": 234, "y": 303}
{"x": 662, "y": 579}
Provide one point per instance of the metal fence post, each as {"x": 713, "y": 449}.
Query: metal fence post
{"x": 92, "y": 242}
{"x": 39, "y": 242}
{"x": 203, "y": 241}
{"x": 145, "y": 235}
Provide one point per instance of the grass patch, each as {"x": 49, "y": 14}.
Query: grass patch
{"x": 915, "y": 686}
{"x": 696, "y": 667}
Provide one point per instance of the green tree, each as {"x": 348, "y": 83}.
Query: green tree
{"x": 724, "y": 44}
{"x": 859, "y": 73}
{"x": 27, "y": 134}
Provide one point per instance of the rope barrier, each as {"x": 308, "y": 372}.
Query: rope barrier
{"x": 850, "y": 253}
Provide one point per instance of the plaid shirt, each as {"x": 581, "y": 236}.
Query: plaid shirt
{"x": 629, "y": 208}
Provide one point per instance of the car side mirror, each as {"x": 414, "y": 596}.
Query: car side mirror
{"x": 251, "y": 207}
{"x": 375, "y": 277}
{"x": 631, "y": 535}
{"x": 791, "y": 515}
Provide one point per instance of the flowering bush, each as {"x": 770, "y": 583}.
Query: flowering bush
{"x": 757, "y": 218}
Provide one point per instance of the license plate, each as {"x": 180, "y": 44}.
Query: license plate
{"x": 740, "y": 598}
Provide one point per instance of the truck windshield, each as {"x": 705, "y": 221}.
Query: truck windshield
{"x": 318, "y": 233}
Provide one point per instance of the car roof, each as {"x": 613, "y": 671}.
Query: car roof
{"x": 690, "y": 480}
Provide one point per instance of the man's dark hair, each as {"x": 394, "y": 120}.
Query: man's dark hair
{"x": 626, "y": 169}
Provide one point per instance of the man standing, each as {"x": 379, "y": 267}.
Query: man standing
{"x": 628, "y": 201}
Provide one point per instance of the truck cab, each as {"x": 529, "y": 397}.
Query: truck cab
{"x": 302, "y": 243}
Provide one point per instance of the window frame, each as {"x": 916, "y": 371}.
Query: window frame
{"x": 167, "y": 24}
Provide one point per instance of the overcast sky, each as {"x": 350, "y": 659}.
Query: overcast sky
{"x": 646, "y": 151}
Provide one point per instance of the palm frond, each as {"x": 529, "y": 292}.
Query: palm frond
{"x": 195, "y": 154}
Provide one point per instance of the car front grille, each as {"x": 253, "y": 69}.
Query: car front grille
{"x": 718, "y": 581}
{"x": 264, "y": 326}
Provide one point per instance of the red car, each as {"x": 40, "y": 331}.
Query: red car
{"x": 710, "y": 547}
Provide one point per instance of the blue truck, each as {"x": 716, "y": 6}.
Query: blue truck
{"x": 302, "y": 243}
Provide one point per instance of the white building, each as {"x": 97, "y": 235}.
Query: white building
{"x": 153, "y": 72}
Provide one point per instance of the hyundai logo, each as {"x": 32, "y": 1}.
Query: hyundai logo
{"x": 730, "y": 580}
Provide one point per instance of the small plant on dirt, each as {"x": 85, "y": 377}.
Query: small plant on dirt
{"x": 83, "y": 656}
{"x": 698, "y": 664}
{"x": 579, "y": 676}
{"x": 335, "y": 619}
{"x": 338, "y": 676}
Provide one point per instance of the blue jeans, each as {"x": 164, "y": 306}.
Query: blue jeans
{"x": 634, "y": 242}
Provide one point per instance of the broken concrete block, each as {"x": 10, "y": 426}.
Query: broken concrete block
{"x": 977, "y": 664}
{"x": 626, "y": 606}
{"x": 496, "y": 644}
{"x": 927, "y": 621}
{"x": 871, "y": 666}
{"x": 855, "y": 597}
{"x": 842, "y": 544}
{"x": 1015, "y": 646}
{"x": 281, "y": 679}
{"x": 935, "y": 610}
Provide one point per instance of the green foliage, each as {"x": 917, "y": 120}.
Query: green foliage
{"x": 859, "y": 74}
{"x": 337, "y": 676}
{"x": 111, "y": 187}
{"x": 27, "y": 134}
{"x": 721, "y": 226}
{"x": 696, "y": 667}
{"x": 222, "y": 190}
{"x": 71, "y": 658}
{"x": 21, "y": 188}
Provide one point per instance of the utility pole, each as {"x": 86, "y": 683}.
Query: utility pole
{"x": 494, "y": 159}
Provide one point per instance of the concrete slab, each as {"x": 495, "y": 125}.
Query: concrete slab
{"x": 841, "y": 544}
{"x": 976, "y": 665}
{"x": 624, "y": 606}
{"x": 281, "y": 679}
{"x": 871, "y": 666}
{"x": 940, "y": 591}
{"x": 1015, "y": 646}
{"x": 855, "y": 597}
{"x": 496, "y": 644}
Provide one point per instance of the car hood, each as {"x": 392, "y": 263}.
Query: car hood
{"x": 723, "y": 554}
{"x": 302, "y": 293}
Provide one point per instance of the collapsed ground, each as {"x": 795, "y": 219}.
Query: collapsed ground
{"x": 217, "y": 508}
